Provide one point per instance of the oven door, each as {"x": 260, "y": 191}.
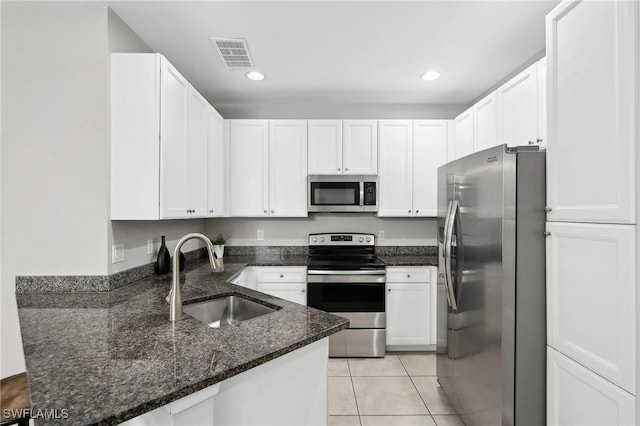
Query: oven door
{"x": 346, "y": 293}
{"x": 360, "y": 299}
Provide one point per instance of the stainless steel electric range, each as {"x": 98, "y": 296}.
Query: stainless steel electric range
{"x": 345, "y": 277}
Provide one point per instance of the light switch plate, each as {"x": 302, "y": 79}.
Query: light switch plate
{"x": 150, "y": 247}
{"x": 260, "y": 235}
{"x": 117, "y": 253}
{"x": 380, "y": 235}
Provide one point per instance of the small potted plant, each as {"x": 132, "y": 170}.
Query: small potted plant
{"x": 218, "y": 245}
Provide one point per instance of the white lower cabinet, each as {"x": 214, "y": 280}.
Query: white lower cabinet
{"x": 257, "y": 397}
{"x": 285, "y": 282}
{"x": 591, "y": 296}
{"x": 577, "y": 396}
{"x": 410, "y": 314}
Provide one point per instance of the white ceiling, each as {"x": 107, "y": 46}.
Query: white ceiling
{"x": 364, "y": 52}
{"x": 344, "y": 52}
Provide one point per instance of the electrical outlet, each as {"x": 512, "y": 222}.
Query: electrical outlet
{"x": 117, "y": 253}
{"x": 260, "y": 235}
{"x": 150, "y": 247}
{"x": 380, "y": 235}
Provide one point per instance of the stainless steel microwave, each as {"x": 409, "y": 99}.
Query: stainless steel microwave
{"x": 343, "y": 193}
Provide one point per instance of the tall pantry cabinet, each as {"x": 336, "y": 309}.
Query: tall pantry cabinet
{"x": 593, "y": 51}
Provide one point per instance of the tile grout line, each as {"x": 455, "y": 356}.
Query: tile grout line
{"x": 416, "y": 388}
{"x": 353, "y": 388}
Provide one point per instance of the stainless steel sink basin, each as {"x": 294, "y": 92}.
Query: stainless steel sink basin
{"x": 226, "y": 310}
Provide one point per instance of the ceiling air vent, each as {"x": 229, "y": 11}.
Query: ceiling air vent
{"x": 234, "y": 51}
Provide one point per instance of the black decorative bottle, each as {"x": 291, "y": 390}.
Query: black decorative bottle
{"x": 163, "y": 262}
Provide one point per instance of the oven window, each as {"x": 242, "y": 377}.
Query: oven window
{"x": 335, "y": 193}
{"x": 346, "y": 297}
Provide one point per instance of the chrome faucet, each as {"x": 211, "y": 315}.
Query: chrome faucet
{"x": 174, "y": 298}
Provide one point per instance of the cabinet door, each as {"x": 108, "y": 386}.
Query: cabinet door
{"x": 197, "y": 179}
{"x": 429, "y": 152}
{"x": 395, "y": 178}
{"x": 360, "y": 147}
{"x": 288, "y": 168}
{"x": 463, "y": 130}
{"x": 518, "y": 100}
{"x": 591, "y": 51}
{"x": 217, "y": 163}
{"x": 576, "y": 396}
{"x": 485, "y": 123}
{"x": 174, "y": 136}
{"x": 591, "y": 297}
{"x": 408, "y": 314}
{"x": 249, "y": 165}
{"x": 325, "y": 147}
{"x": 292, "y": 292}
{"x": 542, "y": 103}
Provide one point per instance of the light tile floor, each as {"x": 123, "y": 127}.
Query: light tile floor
{"x": 398, "y": 390}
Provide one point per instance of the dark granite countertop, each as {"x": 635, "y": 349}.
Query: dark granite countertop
{"x": 409, "y": 260}
{"x": 109, "y": 356}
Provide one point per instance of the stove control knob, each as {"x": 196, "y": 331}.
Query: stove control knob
{"x": 314, "y": 239}
{"x": 361, "y": 239}
{"x": 322, "y": 239}
{"x": 368, "y": 239}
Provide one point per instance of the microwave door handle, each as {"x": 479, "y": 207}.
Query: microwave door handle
{"x": 361, "y": 193}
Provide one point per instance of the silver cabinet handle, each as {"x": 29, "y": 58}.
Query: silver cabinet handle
{"x": 346, "y": 169}
{"x": 302, "y": 290}
{"x": 547, "y": 234}
{"x": 417, "y": 211}
{"x": 547, "y": 209}
{"x": 389, "y": 290}
{"x": 272, "y": 211}
{"x": 408, "y": 275}
{"x": 265, "y": 212}
{"x": 338, "y": 168}
{"x": 281, "y": 276}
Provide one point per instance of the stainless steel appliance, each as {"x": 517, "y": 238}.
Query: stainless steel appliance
{"x": 345, "y": 277}
{"x": 491, "y": 328}
{"x": 342, "y": 193}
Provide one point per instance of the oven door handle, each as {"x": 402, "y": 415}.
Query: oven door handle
{"x": 334, "y": 272}
{"x": 346, "y": 279}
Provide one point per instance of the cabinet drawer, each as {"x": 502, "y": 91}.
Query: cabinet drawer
{"x": 414, "y": 274}
{"x": 289, "y": 274}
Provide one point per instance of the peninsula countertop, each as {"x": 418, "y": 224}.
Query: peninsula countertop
{"x": 107, "y": 357}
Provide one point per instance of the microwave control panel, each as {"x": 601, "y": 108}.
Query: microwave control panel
{"x": 369, "y": 193}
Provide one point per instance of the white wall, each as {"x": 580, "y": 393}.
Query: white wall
{"x": 340, "y": 111}
{"x": 54, "y": 141}
{"x": 295, "y": 231}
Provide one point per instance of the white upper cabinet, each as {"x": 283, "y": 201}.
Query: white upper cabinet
{"x": 592, "y": 54}
{"x": 158, "y": 141}
{"x": 325, "y": 147}
{"x": 268, "y": 162}
{"x": 360, "y": 147}
{"x": 249, "y": 167}
{"x": 518, "y": 99}
{"x": 339, "y": 147}
{"x": 174, "y": 136}
{"x": 217, "y": 205}
{"x": 463, "y": 135}
{"x": 197, "y": 165}
{"x": 430, "y": 141}
{"x": 410, "y": 154}
{"x": 542, "y": 102}
{"x": 396, "y": 168}
{"x": 591, "y": 297}
{"x": 288, "y": 168}
{"x": 485, "y": 123}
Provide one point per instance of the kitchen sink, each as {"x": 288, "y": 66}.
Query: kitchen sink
{"x": 226, "y": 310}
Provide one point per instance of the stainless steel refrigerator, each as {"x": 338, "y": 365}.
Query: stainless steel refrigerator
{"x": 491, "y": 328}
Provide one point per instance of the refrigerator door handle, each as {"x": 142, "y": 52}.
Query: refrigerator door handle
{"x": 445, "y": 244}
{"x": 447, "y": 254}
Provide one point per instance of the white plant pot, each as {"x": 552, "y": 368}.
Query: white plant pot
{"x": 218, "y": 250}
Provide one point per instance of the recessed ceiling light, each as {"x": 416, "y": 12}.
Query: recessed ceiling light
{"x": 430, "y": 75}
{"x": 255, "y": 75}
